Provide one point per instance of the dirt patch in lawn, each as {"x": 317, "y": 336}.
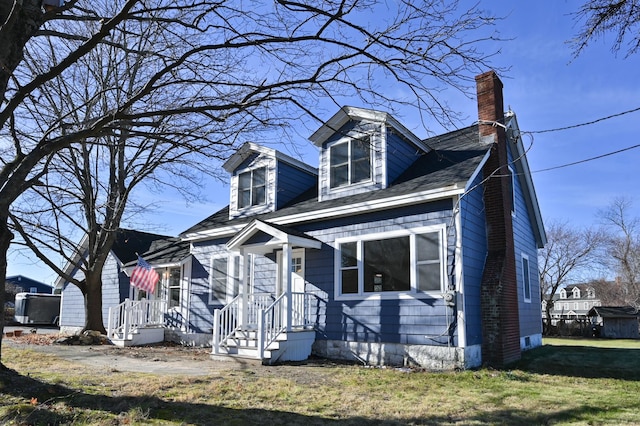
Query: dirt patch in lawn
{"x": 170, "y": 359}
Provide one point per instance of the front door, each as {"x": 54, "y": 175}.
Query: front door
{"x": 297, "y": 272}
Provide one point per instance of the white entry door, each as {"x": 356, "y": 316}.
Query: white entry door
{"x": 297, "y": 272}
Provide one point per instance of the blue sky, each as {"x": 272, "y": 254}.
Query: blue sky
{"x": 547, "y": 89}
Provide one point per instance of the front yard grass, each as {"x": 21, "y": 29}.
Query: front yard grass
{"x": 580, "y": 382}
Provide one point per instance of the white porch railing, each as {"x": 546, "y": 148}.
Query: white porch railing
{"x": 232, "y": 318}
{"x": 256, "y": 303}
{"x": 225, "y": 323}
{"x": 272, "y": 320}
{"x": 132, "y": 314}
{"x": 269, "y": 319}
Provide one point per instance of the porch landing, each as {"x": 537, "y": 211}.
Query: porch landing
{"x": 294, "y": 345}
{"x": 139, "y": 337}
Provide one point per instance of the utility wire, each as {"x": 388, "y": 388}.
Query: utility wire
{"x": 583, "y": 124}
{"x": 597, "y": 157}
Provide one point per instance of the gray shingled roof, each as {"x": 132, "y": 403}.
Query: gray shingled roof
{"x": 129, "y": 242}
{"x": 164, "y": 251}
{"x": 454, "y": 158}
{"x": 614, "y": 312}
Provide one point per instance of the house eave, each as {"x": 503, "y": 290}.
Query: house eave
{"x": 347, "y": 113}
{"x": 339, "y": 211}
{"x": 531, "y": 199}
{"x": 243, "y": 153}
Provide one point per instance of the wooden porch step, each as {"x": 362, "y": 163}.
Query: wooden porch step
{"x": 292, "y": 346}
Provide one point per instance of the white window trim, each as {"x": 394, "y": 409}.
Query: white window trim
{"x": 350, "y": 185}
{"x": 213, "y": 258}
{"x": 169, "y": 287}
{"x": 413, "y": 292}
{"x": 513, "y": 190}
{"x": 524, "y": 282}
{"x": 266, "y": 188}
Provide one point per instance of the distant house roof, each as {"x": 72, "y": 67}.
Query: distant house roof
{"x": 166, "y": 251}
{"x": 27, "y": 284}
{"x": 584, "y": 292}
{"x": 129, "y": 242}
{"x": 614, "y": 312}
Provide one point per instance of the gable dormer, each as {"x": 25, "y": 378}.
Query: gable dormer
{"x": 264, "y": 180}
{"x": 576, "y": 293}
{"x": 362, "y": 150}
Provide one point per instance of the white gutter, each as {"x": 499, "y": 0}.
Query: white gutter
{"x": 340, "y": 211}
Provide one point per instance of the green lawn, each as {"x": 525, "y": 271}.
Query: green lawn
{"x": 572, "y": 382}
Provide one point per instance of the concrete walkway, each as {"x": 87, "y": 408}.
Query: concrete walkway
{"x": 162, "y": 360}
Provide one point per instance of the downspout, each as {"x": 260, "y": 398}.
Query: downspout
{"x": 460, "y": 295}
{"x": 286, "y": 276}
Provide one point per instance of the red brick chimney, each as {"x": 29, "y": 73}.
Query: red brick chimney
{"x": 499, "y": 290}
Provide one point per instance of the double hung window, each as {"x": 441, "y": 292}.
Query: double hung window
{"x": 174, "y": 287}
{"x": 350, "y": 162}
{"x": 383, "y": 264}
{"x": 218, "y": 279}
{"x": 224, "y": 278}
{"x": 526, "y": 278}
{"x": 252, "y": 188}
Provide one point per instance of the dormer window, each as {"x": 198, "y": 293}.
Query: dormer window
{"x": 252, "y": 188}
{"x": 350, "y": 162}
{"x": 576, "y": 293}
{"x": 563, "y": 294}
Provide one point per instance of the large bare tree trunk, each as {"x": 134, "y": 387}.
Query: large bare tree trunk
{"x": 93, "y": 303}
{"x": 19, "y": 21}
{"x": 5, "y": 239}
{"x": 548, "y": 319}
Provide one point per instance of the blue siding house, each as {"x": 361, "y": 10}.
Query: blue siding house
{"x": 115, "y": 282}
{"x": 397, "y": 250}
{"x": 21, "y": 284}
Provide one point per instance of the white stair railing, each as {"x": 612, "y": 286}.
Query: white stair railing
{"x": 263, "y": 314}
{"x": 225, "y": 323}
{"x": 272, "y": 324}
{"x": 132, "y": 314}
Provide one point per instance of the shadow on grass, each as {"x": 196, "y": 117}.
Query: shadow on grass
{"x": 582, "y": 361}
{"x": 103, "y": 409}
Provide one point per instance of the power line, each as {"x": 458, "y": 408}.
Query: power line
{"x": 597, "y": 157}
{"x": 583, "y": 124}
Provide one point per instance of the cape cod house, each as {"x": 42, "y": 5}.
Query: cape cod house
{"x": 396, "y": 250}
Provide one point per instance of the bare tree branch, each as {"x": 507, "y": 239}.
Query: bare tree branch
{"x": 601, "y": 17}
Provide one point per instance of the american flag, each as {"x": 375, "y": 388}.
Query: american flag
{"x": 143, "y": 276}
